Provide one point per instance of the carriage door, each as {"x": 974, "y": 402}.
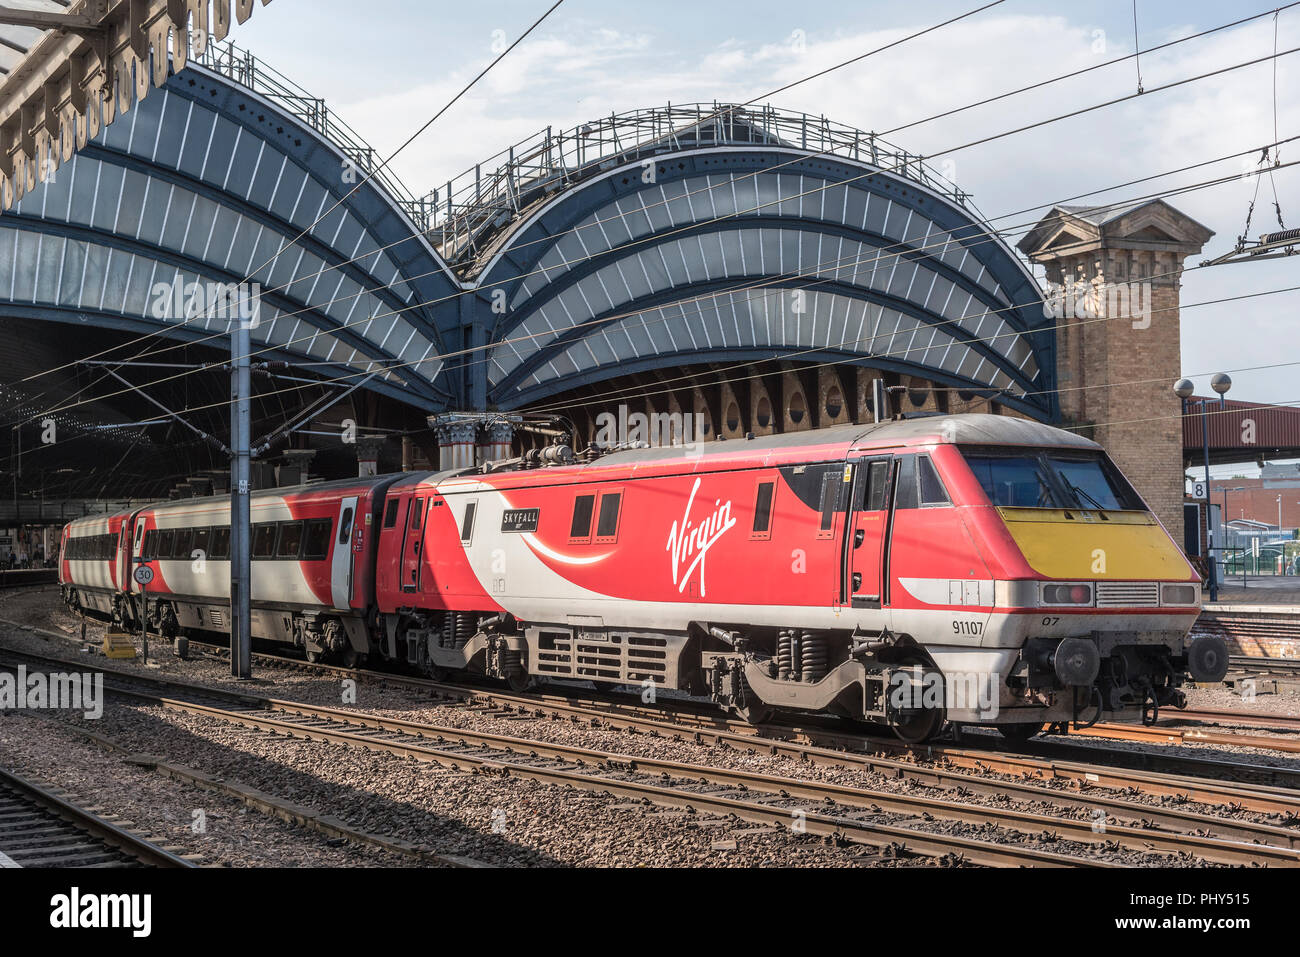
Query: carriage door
{"x": 341, "y": 562}
{"x": 868, "y": 532}
{"x": 123, "y": 554}
{"x": 412, "y": 543}
{"x": 134, "y": 553}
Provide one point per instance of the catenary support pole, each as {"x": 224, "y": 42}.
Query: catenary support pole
{"x": 240, "y": 531}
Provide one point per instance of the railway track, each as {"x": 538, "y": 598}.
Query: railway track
{"x": 28, "y": 578}
{"x": 1166, "y": 735}
{"x": 1257, "y": 664}
{"x": 1279, "y": 722}
{"x": 833, "y": 810}
{"x": 1234, "y": 784}
{"x": 39, "y": 827}
{"x": 274, "y": 805}
{"x": 1253, "y": 786}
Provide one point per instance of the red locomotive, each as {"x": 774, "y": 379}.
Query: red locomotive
{"x": 974, "y": 568}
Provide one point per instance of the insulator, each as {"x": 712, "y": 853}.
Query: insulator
{"x": 1280, "y": 236}
{"x": 814, "y": 657}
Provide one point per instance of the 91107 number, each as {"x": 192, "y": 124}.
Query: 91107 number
{"x": 968, "y": 627}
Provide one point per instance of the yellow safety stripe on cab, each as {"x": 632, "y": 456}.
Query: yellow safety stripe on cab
{"x": 1083, "y": 545}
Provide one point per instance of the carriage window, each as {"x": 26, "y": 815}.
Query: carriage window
{"x": 417, "y": 513}
{"x": 166, "y": 539}
{"x": 316, "y": 540}
{"x": 220, "y": 544}
{"x": 149, "y": 552}
{"x": 878, "y": 486}
{"x": 932, "y": 490}
{"x": 905, "y": 497}
{"x": 467, "y": 527}
{"x": 289, "y": 544}
{"x": 184, "y": 537}
{"x": 202, "y": 541}
{"x": 763, "y": 507}
{"x": 583, "y": 508}
{"x": 390, "y": 512}
{"x": 264, "y": 540}
{"x": 345, "y": 526}
{"x": 607, "y": 523}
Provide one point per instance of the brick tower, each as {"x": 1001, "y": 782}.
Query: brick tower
{"x": 1114, "y": 275}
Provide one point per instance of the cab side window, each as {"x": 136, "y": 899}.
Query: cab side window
{"x": 919, "y": 485}
{"x": 905, "y": 497}
{"x": 931, "y": 491}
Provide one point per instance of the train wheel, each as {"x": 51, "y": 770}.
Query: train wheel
{"x": 512, "y": 670}
{"x": 313, "y": 657}
{"x": 1020, "y": 733}
{"x": 754, "y": 712}
{"x": 918, "y": 725}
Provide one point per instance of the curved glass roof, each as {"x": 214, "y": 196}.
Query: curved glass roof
{"x": 192, "y": 190}
{"x": 742, "y": 250}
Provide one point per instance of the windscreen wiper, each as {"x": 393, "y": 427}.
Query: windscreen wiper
{"x": 1078, "y": 491}
{"x": 1046, "y": 493}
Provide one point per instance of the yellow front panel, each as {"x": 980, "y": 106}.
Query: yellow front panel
{"x": 1082, "y": 545}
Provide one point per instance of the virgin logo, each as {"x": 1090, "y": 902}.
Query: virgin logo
{"x": 691, "y": 543}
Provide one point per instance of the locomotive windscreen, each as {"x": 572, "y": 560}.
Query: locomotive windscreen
{"x": 1021, "y": 478}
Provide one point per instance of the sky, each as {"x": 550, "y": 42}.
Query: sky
{"x": 386, "y": 67}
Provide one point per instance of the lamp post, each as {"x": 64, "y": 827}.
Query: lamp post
{"x": 1184, "y": 389}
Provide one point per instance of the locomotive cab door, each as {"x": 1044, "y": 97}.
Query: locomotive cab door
{"x": 341, "y": 560}
{"x": 412, "y": 543}
{"x": 864, "y": 579}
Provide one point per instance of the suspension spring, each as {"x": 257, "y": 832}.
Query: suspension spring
{"x": 784, "y": 655}
{"x": 814, "y": 657}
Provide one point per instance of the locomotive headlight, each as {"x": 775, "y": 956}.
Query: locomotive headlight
{"x": 1067, "y": 593}
{"x": 1179, "y": 595}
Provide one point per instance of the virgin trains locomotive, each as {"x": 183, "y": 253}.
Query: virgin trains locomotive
{"x": 977, "y": 569}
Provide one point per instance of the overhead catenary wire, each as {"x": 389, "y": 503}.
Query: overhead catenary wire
{"x": 415, "y": 237}
{"x": 369, "y": 176}
{"x": 1110, "y": 385}
{"x": 949, "y": 151}
{"x": 821, "y": 348}
{"x": 597, "y": 223}
{"x": 988, "y": 236}
{"x": 850, "y": 360}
